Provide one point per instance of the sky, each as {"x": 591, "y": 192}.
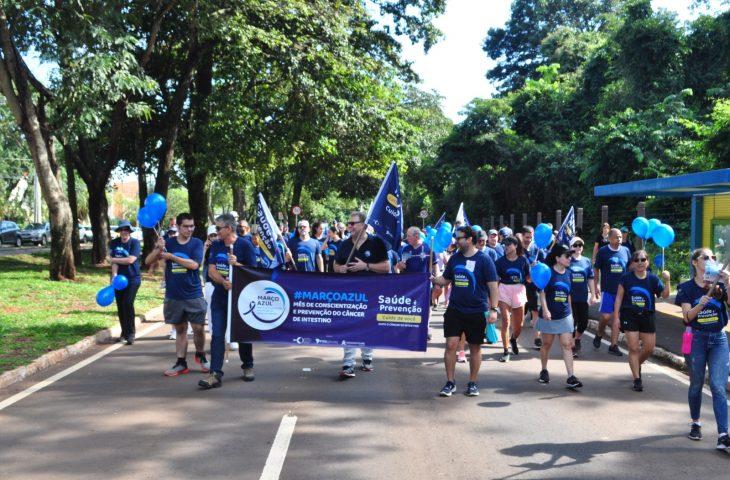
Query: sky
{"x": 456, "y": 66}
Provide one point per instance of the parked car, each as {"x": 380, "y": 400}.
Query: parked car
{"x": 9, "y": 233}
{"x": 39, "y": 233}
{"x": 85, "y": 234}
{"x": 137, "y": 233}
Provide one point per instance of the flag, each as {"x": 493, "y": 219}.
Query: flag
{"x": 386, "y": 212}
{"x": 269, "y": 234}
{"x": 461, "y": 216}
{"x": 440, "y": 221}
{"x": 567, "y": 229}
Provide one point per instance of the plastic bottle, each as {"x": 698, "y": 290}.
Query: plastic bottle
{"x": 687, "y": 341}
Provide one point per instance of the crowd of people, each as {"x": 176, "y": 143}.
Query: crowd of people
{"x": 481, "y": 278}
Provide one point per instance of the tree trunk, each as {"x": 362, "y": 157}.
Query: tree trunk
{"x": 73, "y": 204}
{"x": 15, "y": 82}
{"x": 99, "y": 216}
{"x": 239, "y": 200}
{"x": 296, "y": 197}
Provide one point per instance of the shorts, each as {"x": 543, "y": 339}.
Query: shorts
{"x": 190, "y": 310}
{"x": 607, "y": 301}
{"x": 638, "y": 323}
{"x": 531, "y": 291}
{"x": 556, "y": 326}
{"x": 472, "y": 325}
{"x": 580, "y": 315}
{"x": 513, "y": 296}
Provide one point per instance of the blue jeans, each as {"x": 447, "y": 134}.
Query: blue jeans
{"x": 711, "y": 349}
{"x": 219, "y": 323}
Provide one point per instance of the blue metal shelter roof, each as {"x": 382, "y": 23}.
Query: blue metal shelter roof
{"x": 701, "y": 183}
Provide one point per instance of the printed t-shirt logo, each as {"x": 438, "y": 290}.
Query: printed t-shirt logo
{"x": 221, "y": 264}
{"x": 176, "y": 267}
{"x": 577, "y": 275}
{"x": 515, "y": 275}
{"x": 561, "y": 292}
{"x": 463, "y": 277}
{"x": 616, "y": 266}
{"x": 640, "y": 297}
{"x": 709, "y": 314}
{"x": 263, "y": 305}
{"x": 120, "y": 252}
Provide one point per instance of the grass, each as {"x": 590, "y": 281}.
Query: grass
{"x": 38, "y": 315}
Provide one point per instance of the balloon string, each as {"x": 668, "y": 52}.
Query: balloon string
{"x": 663, "y": 258}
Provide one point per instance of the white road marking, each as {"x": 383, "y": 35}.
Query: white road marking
{"x": 50, "y": 380}
{"x": 275, "y": 460}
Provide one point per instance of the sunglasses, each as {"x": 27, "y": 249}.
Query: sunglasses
{"x": 566, "y": 255}
{"x": 706, "y": 257}
{"x": 641, "y": 260}
{"x": 302, "y": 227}
{"x": 459, "y": 238}
{"x": 578, "y": 245}
{"x": 353, "y": 223}
{"x": 218, "y": 229}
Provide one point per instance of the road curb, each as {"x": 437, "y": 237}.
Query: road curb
{"x": 52, "y": 358}
{"x": 661, "y": 355}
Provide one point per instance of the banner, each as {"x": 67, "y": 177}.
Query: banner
{"x": 268, "y": 235}
{"x": 567, "y": 229}
{"x": 329, "y": 310}
{"x": 386, "y": 212}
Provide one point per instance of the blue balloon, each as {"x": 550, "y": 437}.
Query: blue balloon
{"x": 156, "y": 205}
{"x": 145, "y": 218}
{"x": 447, "y": 225}
{"x": 540, "y": 274}
{"x": 663, "y": 235}
{"x": 422, "y": 236}
{"x": 658, "y": 260}
{"x": 543, "y": 235}
{"x": 653, "y": 223}
{"x": 105, "y": 296}
{"x": 154, "y": 198}
{"x": 476, "y": 228}
{"x": 640, "y": 226}
{"x": 120, "y": 282}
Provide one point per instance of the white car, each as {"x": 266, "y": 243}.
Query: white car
{"x": 137, "y": 233}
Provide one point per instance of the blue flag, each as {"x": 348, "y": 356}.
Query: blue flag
{"x": 269, "y": 233}
{"x": 567, "y": 229}
{"x": 386, "y": 211}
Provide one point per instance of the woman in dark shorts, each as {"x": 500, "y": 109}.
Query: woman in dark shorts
{"x": 634, "y": 307}
{"x": 581, "y": 275}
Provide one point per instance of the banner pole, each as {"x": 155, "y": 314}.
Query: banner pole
{"x": 230, "y": 303}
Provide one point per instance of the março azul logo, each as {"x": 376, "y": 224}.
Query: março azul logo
{"x": 263, "y": 305}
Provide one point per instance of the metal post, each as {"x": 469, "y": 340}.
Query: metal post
{"x": 512, "y": 221}
{"x": 604, "y": 214}
{"x": 641, "y": 209}
{"x": 579, "y": 218}
{"x": 524, "y": 219}
{"x": 558, "y": 218}
{"x": 501, "y": 221}
{"x": 539, "y": 218}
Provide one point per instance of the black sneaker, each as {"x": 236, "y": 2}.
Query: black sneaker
{"x": 696, "y": 432}
{"x": 538, "y": 343}
{"x": 596, "y": 342}
{"x": 213, "y": 380}
{"x": 723, "y": 442}
{"x": 347, "y": 372}
{"x": 471, "y": 390}
{"x": 544, "y": 377}
{"x": 613, "y": 350}
{"x": 448, "y": 389}
{"x": 367, "y": 366}
{"x": 515, "y": 348}
{"x": 638, "y": 387}
{"x": 577, "y": 345}
{"x": 130, "y": 339}
{"x": 573, "y": 382}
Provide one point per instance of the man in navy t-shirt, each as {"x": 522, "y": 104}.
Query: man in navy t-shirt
{"x": 228, "y": 250}
{"x": 306, "y": 250}
{"x": 124, "y": 252}
{"x": 474, "y": 296}
{"x": 184, "y": 299}
{"x": 612, "y": 261}
{"x": 414, "y": 255}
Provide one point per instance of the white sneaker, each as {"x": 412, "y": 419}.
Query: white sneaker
{"x": 233, "y": 345}
{"x": 190, "y": 330}
{"x": 173, "y": 334}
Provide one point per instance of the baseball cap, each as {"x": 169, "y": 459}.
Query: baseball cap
{"x": 575, "y": 240}
{"x": 212, "y": 230}
{"x": 493, "y": 232}
{"x": 481, "y": 234}
{"x": 624, "y": 230}
{"x": 505, "y": 231}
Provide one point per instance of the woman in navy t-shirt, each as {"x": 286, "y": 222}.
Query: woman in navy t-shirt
{"x": 634, "y": 307}
{"x": 514, "y": 272}
{"x": 124, "y": 252}
{"x": 556, "y": 317}
{"x": 705, "y": 313}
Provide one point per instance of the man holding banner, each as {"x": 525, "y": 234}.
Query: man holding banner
{"x": 228, "y": 251}
{"x": 360, "y": 254}
{"x": 474, "y": 299}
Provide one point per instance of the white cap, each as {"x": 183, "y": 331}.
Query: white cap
{"x": 212, "y": 230}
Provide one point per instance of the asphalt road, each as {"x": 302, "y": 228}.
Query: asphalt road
{"x": 119, "y": 417}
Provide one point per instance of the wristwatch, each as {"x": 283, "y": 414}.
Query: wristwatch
{"x": 495, "y": 309}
